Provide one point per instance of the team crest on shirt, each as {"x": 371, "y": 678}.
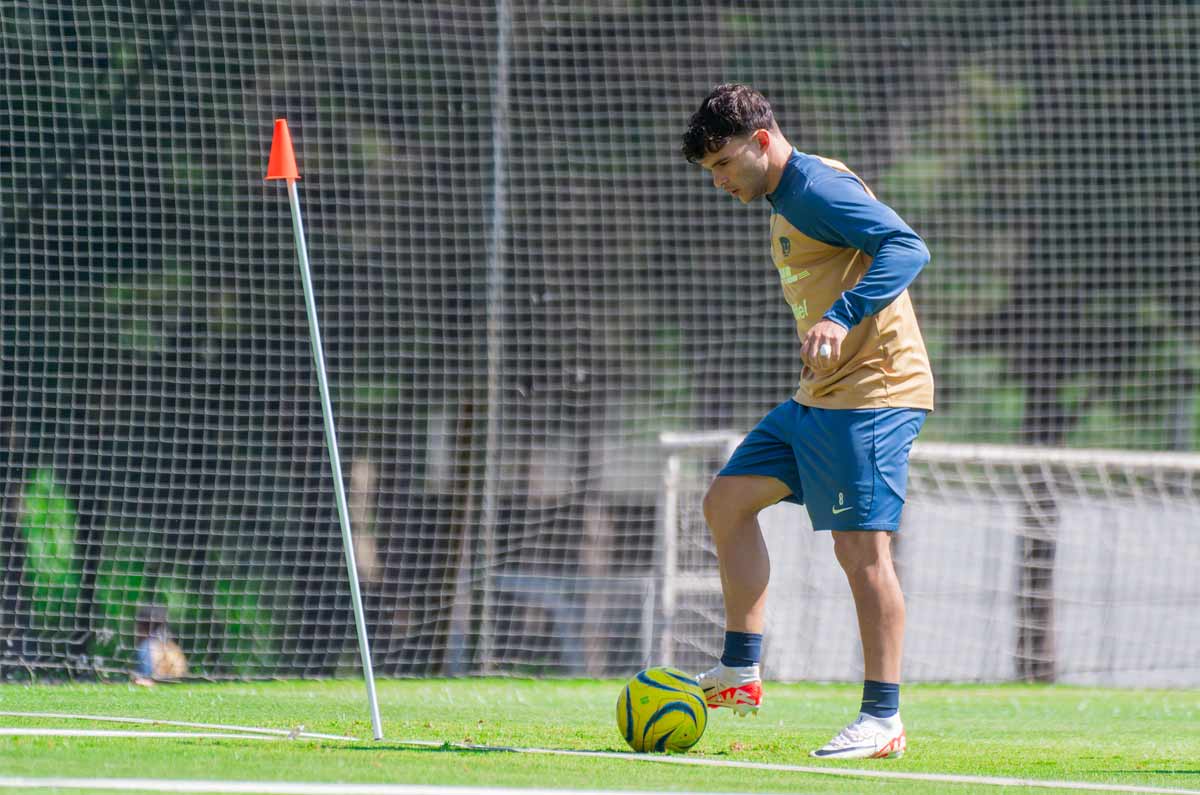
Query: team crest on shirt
{"x": 785, "y": 246}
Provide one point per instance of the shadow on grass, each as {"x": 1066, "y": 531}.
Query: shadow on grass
{"x": 445, "y": 747}
{"x": 1194, "y": 771}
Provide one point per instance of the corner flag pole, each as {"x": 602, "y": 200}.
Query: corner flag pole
{"x": 282, "y": 165}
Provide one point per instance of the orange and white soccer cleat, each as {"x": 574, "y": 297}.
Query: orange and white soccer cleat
{"x": 867, "y": 738}
{"x": 739, "y": 689}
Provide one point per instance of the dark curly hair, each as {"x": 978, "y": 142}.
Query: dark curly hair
{"x": 731, "y": 109}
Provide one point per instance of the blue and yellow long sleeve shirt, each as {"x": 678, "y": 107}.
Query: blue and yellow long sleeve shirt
{"x": 846, "y": 256}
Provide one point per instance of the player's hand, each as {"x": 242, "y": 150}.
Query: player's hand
{"x": 821, "y": 348}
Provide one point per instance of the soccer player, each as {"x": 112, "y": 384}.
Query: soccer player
{"x": 840, "y": 444}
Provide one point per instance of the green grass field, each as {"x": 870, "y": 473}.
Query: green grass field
{"x": 1111, "y": 737}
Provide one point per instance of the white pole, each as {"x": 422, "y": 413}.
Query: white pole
{"x": 335, "y": 462}
{"x": 668, "y": 542}
{"x": 495, "y": 328}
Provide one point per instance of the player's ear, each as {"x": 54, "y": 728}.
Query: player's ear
{"x": 763, "y": 138}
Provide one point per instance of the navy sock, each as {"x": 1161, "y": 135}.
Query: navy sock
{"x": 880, "y": 699}
{"x": 742, "y": 649}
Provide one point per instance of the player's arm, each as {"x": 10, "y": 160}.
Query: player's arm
{"x": 843, "y": 213}
{"x": 836, "y": 209}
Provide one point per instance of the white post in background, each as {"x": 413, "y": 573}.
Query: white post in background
{"x": 668, "y": 543}
{"x": 495, "y": 324}
{"x": 675, "y": 583}
{"x": 283, "y": 166}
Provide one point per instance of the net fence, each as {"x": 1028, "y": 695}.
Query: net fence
{"x": 1016, "y": 563}
{"x": 521, "y": 286}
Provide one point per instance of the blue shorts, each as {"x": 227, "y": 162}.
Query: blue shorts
{"x": 849, "y": 467}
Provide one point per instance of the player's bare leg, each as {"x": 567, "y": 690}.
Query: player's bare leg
{"x": 731, "y": 508}
{"x": 866, "y": 558}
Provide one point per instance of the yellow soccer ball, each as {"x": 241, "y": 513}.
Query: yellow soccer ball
{"x": 662, "y": 709}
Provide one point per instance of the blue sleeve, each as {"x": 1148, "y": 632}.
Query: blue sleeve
{"x": 145, "y": 659}
{"x": 836, "y": 209}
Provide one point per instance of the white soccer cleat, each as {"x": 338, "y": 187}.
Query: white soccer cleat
{"x": 739, "y": 689}
{"x": 867, "y": 738}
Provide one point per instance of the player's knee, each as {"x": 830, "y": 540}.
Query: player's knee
{"x": 862, "y": 553}
{"x": 714, "y": 514}
{"x": 723, "y": 509}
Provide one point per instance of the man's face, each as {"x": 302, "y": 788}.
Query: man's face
{"x": 740, "y": 167}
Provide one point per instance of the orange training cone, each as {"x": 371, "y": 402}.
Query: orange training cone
{"x": 282, "y": 164}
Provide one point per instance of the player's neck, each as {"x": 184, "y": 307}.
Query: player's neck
{"x": 777, "y": 158}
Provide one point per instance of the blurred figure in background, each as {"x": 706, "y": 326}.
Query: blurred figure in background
{"x": 158, "y": 657}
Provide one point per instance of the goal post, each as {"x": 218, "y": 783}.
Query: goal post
{"x": 684, "y": 578}
{"x": 1108, "y": 600}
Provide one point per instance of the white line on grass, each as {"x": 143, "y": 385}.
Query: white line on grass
{"x": 947, "y": 778}
{"x": 40, "y": 732}
{"x": 284, "y": 788}
{"x": 253, "y": 733}
{"x": 294, "y": 733}
{"x": 300, "y": 788}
